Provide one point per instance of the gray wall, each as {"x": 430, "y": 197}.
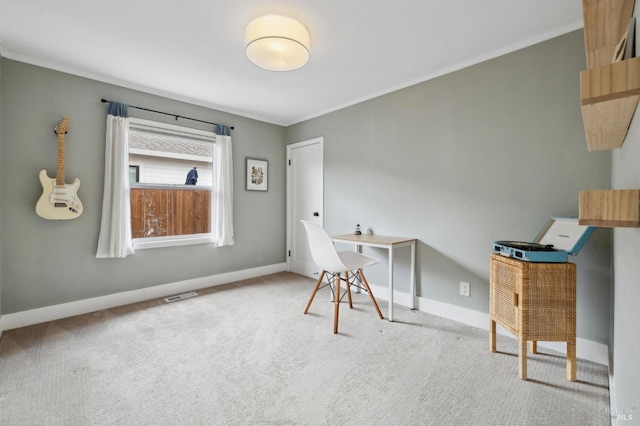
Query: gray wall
{"x": 482, "y": 154}
{"x": 625, "y": 338}
{"x": 51, "y": 262}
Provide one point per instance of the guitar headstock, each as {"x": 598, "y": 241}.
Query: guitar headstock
{"x": 61, "y": 128}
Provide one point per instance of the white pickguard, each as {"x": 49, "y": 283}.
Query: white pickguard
{"x": 58, "y": 202}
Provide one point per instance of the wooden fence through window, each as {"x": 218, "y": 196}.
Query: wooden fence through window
{"x": 165, "y": 212}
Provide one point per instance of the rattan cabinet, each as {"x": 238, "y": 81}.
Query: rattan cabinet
{"x": 535, "y": 302}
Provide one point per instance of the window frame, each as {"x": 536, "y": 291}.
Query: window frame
{"x": 137, "y": 169}
{"x": 173, "y": 240}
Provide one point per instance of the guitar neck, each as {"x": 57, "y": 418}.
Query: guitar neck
{"x": 60, "y": 160}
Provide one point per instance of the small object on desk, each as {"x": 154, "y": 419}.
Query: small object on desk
{"x": 358, "y": 231}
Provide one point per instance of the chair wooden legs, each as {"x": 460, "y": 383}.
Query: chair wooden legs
{"x": 373, "y": 299}
{"x": 336, "y": 287}
{"x": 315, "y": 290}
{"x": 346, "y": 280}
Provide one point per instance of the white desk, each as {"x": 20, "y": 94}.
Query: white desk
{"x": 389, "y": 243}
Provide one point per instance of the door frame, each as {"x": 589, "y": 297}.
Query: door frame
{"x": 289, "y": 224}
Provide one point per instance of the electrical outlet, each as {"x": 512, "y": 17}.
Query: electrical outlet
{"x": 465, "y": 289}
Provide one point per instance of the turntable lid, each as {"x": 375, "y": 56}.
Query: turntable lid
{"x": 564, "y": 233}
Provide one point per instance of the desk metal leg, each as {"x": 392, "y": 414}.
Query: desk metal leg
{"x": 331, "y": 287}
{"x": 391, "y": 283}
{"x": 413, "y": 276}
{"x": 358, "y": 249}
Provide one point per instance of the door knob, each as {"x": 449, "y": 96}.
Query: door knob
{"x": 316, "y": 214}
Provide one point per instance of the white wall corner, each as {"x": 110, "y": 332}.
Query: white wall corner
{"x": 612, "y": 400}
{"x": 65, "y": 310}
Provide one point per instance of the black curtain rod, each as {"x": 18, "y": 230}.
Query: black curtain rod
{"x": 104, "y": 101}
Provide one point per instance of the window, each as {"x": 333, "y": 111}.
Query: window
{"x": 165, "y": 210}
{"x": 134, "y": 174}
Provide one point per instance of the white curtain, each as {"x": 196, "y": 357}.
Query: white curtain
{"x": 224, "y": 188}
{"x": 115, "y": 227}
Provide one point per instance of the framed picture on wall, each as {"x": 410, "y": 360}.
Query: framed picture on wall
{"x": 257, "y": 174}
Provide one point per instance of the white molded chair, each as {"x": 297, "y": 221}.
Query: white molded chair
{"x": 335, "y": 263}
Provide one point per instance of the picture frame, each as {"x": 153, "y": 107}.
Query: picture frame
{"x": 257, "y": 175}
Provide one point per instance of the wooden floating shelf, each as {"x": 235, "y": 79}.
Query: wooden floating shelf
{"x": 609, "y": 82}
{"x": 609, "y": 95}
{"x": 610, "y": 208}
{"x": 606, "y": 123}
{"x": 605, "y": 22}
{"x": 609, "y": 91}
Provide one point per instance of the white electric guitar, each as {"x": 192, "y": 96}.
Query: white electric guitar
{"x": 59, "y": 201}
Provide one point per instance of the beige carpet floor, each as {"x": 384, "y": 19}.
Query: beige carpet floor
{"x": 244, "y": 354}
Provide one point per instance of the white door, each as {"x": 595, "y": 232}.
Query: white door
{"x": 304, "y": 201}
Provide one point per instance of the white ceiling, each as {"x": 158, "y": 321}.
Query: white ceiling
{"x": 193, "y": 50}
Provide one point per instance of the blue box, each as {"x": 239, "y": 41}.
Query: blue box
{"x": 554, "y": 242}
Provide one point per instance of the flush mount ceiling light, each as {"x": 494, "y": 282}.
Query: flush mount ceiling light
{"x": 277, "y": 43}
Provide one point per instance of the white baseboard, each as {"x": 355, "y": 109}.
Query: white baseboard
{"x": 585, "y": 349}
{"x": 65, "y": 310}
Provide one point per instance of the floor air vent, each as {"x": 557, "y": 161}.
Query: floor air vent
{"x": 180, "y": 297}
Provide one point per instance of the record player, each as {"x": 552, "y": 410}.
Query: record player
{"x": 556, "y": 240}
